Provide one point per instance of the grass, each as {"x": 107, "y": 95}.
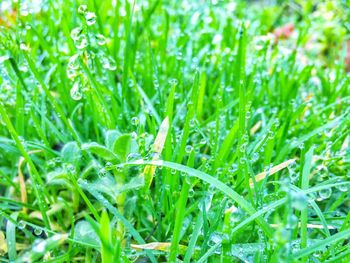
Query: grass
{"x": 174, "y": 131}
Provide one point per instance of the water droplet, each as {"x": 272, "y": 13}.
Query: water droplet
{"x": 179, "y": 55}
{"x": 109, "y": 164}
{"x": 233, "y": 168}
{"x": 23, "y": 67}
{"x": 135, "y": 121}
{"x": 38, "y": 231}
{"x": 75, "y": 91}
{"x": 192, "y": 123}
{"x": 21, "y": 224}
{"x": 108, "y": 63}
{"x": 102, "y": 172}
{"x": 173, "y": 82}
{"x": 255, "y": 157}
{"x": 242, "y": 160}
{"x": 81, "y": 181}
{"x": 342, "y": 188}
{"x": 325, "y": 193}
{"x": 75, "y": 33}
{"x": 23, "y": 46}
{"x": 214, "y": 239}
{"x": 72, "y": 73}
{"x": 242, "y": 148}
{"x": 134, "y": 157}
{"x": 81, "y": 42}
{"x": 90, "y": 18}
{"x": 293, "y": 175}
{"x": 112, "y": 65}
{"x": 155, "y": 83}
{"x": 82, "y": 9}
{"x": 100, "y": 39}
{"x": 73, "y": 62}
{"x": 188, "y": 148}
{"x": 71, "y": 168}
{"x": 245, "y": 137}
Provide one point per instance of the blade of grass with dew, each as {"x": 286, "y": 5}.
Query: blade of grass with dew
{"x": 213, "y": 182}
{"x": 180, "y": 213}
{"x": 37, "y": 181}
{"x": 321, "y": 244}
{"x": 304, "y": 184}
{"x": 158, "y": 146}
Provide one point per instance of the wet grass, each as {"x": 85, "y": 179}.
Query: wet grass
{"x": 180, "y": 131}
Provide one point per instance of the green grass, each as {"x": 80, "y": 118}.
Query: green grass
{"x": 150, "y": 131}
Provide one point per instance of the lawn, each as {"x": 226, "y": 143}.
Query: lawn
{"x": 174, "y": 131}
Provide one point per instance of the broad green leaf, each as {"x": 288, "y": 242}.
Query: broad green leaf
{"x": 122, "y": 146}
{"x": 70, "y": 152}
{"x": 100, "y": 151}
{"x": 110, "y": 138}
{"x": 84, "y": 232}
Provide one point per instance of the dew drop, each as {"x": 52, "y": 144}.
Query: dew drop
{"x": 203, "y": 142}
{"x": 82, "y": 9}
{"x": 23, "y": 46}
{"x": 90, "y": 18}
{"x": 342, "y": 188}
{"x": 242, "y": 160}
{"x": 188, "y": 148}
{"x": 75, "y": 33}
{"x": 102, "y": 172}
{"x": 108, "y": 165}
{"x": 73, "y": 62}
{"x": 325, "y": 193}
{"x": 75, "y": 91}
{"x": 135, "y": 121}
{"x": 100, "y": 39}
{"x": 233, "y": 168}
{"x": 22, "y": 224}
{"x": 173, "y": 82}
{"x": 81, "y": 42}
{"x": 214, "y": 239}
{"x": 179, "y": 55}
{"x": 38, "y": 231}
{"x": 255, "y": 157}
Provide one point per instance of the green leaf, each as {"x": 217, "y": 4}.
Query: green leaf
{"x": 108, "y": 186}
{"x": 100, "y": 151}
{"x": 84, "y": 232}
{"x": 122, "y": 146}
{"x": 70, "y": 152}
{"x": 110, "y": 138}
{"x": 11, "y": 237}
{"x": 106, "y": 238}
